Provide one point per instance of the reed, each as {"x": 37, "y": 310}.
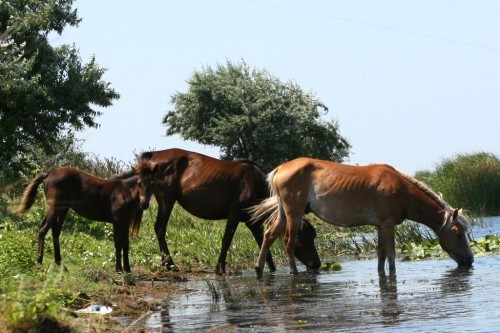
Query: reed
{"x": 471, "y": 181}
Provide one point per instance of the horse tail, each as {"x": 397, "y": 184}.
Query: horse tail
{"x": 30, "y": 192}
{"x": 268, "y": 209}
{"x": 270, "y": 178}
{"x": 135, "y": 226}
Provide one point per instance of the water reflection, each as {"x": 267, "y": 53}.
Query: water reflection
{"x": 422, "y": 297}
{"x": 456, "y": 280}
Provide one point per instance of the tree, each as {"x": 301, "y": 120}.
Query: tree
{"x": 252, "y": 114}
{"x": 45, "y": 91}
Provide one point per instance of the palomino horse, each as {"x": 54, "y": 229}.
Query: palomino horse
{"x": 212, "y": 189}
{"x": 117, "y": 201}
{"x": 351, "y": 196}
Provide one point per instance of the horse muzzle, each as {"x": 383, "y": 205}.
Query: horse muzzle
{"x": 144, "y": 205}
{"x": 462, "y": 260}
{"x": 314, "y": 265}
{"x": 467, "y": 262}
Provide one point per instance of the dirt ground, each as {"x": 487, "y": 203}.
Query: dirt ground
{"x": 131, "y": 302}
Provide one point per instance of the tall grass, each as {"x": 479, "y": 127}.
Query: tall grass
{"x": 471, "y": 181}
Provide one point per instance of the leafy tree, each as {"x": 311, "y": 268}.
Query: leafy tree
{"x": 45, "y": 91}
{"x": 250, "y": 113}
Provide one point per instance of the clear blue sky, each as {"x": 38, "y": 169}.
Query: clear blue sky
{"x": 410, "y": 82}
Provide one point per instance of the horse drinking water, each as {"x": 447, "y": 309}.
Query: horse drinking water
{"x": 117, "y": 201}
{"x": 212, "y": 189}
{"x": 351, "y": 196}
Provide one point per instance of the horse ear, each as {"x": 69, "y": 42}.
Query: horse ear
{"x": 456, "y": 213}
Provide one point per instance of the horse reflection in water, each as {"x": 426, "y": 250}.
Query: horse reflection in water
{"x": 350, "y": 196}
{"x": 456, "y": 281}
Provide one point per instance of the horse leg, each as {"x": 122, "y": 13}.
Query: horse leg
{"x": 231, "y": 226}
{"x": 381, "y": 252}
{"x": 165, "y": 206}
{"x": 125, "y": 248}
{"x": 117, "y": 237}
{"x": 270, "y": 236}
{"x": 290, "y": 237}
{"x": 386, "y": 247}
{"x": 258, "y": 233}
{"x": 44, "y": 227}
{"x": 56, "y": 232}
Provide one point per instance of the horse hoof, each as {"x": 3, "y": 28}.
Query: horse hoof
{"x": 172, "y": 268}
{"x": 258, "y": 270}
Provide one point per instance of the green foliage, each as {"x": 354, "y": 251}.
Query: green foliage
{"x": 250, "y": 113}
{"x": 44, "y": 91}
{"x": 488, "y": 244}
{"x": 27, "y": 304}
{"x": 330, "y": 266}
{"x": 471, "y": 181}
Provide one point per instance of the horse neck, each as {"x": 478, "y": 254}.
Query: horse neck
{"x": 426, "y": 210}
{"x": 131, "y": 184}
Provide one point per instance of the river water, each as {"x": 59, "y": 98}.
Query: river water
{"x": 425, "y": 296}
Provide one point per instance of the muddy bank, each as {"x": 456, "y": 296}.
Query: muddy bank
{"x": 131, "y": 301}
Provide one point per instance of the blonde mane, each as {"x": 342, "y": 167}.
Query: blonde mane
{"x": 426, "y": 189}
{"x": 462, "y": 219}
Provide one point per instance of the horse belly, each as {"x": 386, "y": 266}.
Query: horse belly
{"x": 345, "y": 213}
{"x": 94, "y": 211}
{"x": 205, "y": 208}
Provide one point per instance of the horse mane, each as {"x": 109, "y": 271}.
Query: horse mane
{"x": 462, "y": 218}
{"x": 436, "y": 197}
{"x": 426, "y": 189}
{"x": 132, "y": 172}
{"x": 146, "y": 155}
{"x": 143, "y": 166}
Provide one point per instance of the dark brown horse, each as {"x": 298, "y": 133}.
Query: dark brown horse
{"x": 348, "y": 196}
{"x": 117, "y": 201}
{"x": 211, "y": 189}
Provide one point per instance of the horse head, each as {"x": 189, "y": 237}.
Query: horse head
{"x": 453, "y": 238}
{"x": 146, "y": 172}
{"x": 305, "y": 250}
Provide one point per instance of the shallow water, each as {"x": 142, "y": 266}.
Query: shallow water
{"x": 425, "y": 296}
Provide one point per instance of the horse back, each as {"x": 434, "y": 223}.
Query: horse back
{"x": 90, "y": 196}
{"x": 208, "y": 187}
{"x": 350, "y": 195}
